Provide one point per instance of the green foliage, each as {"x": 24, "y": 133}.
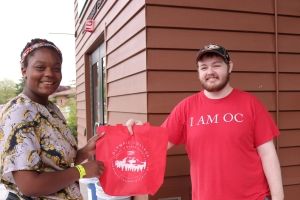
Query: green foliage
{"x": 20, "y": 86}
{"x": 72, "y": 118}
{"x": 7, "y": 90}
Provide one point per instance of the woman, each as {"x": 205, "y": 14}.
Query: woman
{"x": 38, "y": 153}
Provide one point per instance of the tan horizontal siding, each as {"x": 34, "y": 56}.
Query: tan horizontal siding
{"x": 81, "y": 105}
{"x": 173, "y": 59}
{"x": 290, "y": 8}
{"x": 81, "y": 113}
{"x": 289, "y": 156}
{"x": 81, "y": 78}
{"x": 177, "y": 150}
{"x": 289, "y": 81}
{"x": 80, "y": 69}
{"x": 289, "y": 101}
{"x": 135, "y": 64}
{"x": 289, "y": 43}
{"x": 80, "y": 88}
{"x": 209, "y": 19}
{"x": 253, "y": 61}
{"x": 173, "y": 167}
{"x": 289, "y": 138}
{"x": 291, "y": 175}
{"x": 164, "y": 102}
{"x": 128, "y": 85}
{"x": 81, "y": 137}
{"x": 157, "y": 119}
{"x": 288, "y": 24}
{"x": 81, "y": 96}
{"x": 134, "y": 103}
{"x": 122, "y": 117}
{"x": 81, "y": 121}
{"x": 173, "y": 81}
{"x": 289, "y": 120}
{"x": 79, "y": 61}
{"x": 128, "y": 49}
{"x": 130, "y": 29}
{"x": 124, "y": 16}
{"x": 254, "y": 81}
{"x": 292, "y": 192}
{"x": 267, "y": 98}
{"x": 174, "y": 188}
{"x": 159, "y": 104}
{"x": 287, "y": 62}
{"x": 265, "y": 6}
{"x": 193, "y": 39}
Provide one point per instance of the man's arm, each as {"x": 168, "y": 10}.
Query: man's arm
{"x": 271, "y": 168}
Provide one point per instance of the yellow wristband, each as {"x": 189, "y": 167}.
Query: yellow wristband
{"x": 81, "y": 170}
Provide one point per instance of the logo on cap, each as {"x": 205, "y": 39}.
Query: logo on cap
{"x": 211, "y": 46}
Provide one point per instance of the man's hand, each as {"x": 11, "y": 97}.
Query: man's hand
{"x": 130, "y": 123}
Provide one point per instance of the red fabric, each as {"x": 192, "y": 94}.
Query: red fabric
{"x": 134, "y": 164}
{"x": 221, "y": 137}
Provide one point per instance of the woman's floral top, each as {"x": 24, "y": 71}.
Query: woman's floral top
{"x": 35, "y": 137}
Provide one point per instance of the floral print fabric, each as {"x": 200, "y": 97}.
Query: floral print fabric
{"x": 35, "y": 137}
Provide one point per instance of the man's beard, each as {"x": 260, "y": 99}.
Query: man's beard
{"x": 215, "y": 87}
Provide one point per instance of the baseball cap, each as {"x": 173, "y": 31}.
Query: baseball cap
{"x": 213, "y": 48}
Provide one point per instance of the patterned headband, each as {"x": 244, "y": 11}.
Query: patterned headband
{"x": 36, "y": 46}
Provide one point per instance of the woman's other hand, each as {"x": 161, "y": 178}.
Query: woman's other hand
{"x": 89, "y": 149}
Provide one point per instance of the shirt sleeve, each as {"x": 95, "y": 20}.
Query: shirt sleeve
{"x": 265, "y": 128}
{"x": 175, "y": 123}
{"x": 21, "y": 144}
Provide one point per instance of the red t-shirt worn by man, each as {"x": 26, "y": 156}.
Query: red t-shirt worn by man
{"x": 221, "y": 137}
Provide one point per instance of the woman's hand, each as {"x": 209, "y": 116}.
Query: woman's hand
{"x": 93, "y": 168}
{"x": 89, "y": 149}
{"x": 130, "y": 123}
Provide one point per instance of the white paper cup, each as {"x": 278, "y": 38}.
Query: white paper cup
{"x": 87, "y": 192}
{"x": 102, "y": 196}
{"x": 98, "y": 192}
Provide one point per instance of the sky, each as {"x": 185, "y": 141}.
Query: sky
{"x": 23, "y": 20}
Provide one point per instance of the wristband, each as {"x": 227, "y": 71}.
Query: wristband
{"x": 81, "y": 170}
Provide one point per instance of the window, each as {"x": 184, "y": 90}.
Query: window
{"x": 98, "y": 87}
{"x": 80, "y": 6}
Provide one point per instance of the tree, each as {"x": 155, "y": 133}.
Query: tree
{"x": 20, "y": 86}
{"x": 72, "y": 118}
{"x": 7, "y": 90}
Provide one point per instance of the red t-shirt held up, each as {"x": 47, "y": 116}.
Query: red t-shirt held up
{"x": 134, "y": 164}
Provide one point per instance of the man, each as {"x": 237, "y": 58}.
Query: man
{"x": 228, "y": 136}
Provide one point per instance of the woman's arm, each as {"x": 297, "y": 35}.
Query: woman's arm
{"x": 32, "y": 183}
